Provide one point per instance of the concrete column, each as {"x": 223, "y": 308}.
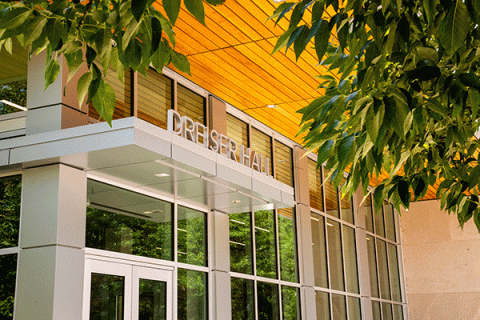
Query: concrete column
{"x": 304, "y": 234}
{"x": 50, "y": 109}
{"x": 221, "y": 267}
{"x": 362, "y": 255}
{"x": 52, "y": 236}
{"x": 217, "y": 115}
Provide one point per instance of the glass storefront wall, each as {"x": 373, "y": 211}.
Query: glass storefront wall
{"x": 128, "y": 222}
{"x": 263, "y": 246}
{"x": 10, "y": 197}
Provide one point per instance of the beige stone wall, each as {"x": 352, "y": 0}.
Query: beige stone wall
{"x": 441, "y": 263}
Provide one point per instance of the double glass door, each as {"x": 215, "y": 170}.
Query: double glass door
{"x": 117, "y": 291}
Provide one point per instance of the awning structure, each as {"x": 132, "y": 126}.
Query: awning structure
{"x": 152, "y": 159}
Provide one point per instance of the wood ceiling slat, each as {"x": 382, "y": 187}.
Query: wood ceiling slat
{"x": 237, "y": 21}
{"x": 197, "y": 31}
{"x": 293, "y": 77}
{"x": 186, "y": 44}
{"x": 224, "y": 28}
{"x": 261, "y": 15}
{"x": 208, "y": 69}
{"x": 258, "y": 78}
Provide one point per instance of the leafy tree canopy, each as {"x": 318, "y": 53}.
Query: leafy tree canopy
{"x": 101, "y": 33}
{"x": 405, "y": 99}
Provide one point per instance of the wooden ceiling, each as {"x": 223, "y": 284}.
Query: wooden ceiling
{"x": 230, "y": 56}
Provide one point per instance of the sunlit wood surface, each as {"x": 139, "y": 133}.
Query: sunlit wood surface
{"x": 231, "y": 57}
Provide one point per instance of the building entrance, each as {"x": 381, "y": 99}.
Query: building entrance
{"x": 122, "y": 291}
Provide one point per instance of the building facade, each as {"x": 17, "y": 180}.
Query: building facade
{"x": 206, "y": 214}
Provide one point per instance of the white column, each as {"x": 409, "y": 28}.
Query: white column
{"x": 52, "y": 238}
{"x": 221, "y": 267}
{"x": 51, "y": 109}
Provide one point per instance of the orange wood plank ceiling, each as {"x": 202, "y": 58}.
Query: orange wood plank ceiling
{"x": 231, "y": 57}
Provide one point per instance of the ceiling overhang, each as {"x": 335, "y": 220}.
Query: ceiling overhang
{"x": 139, "y": 154}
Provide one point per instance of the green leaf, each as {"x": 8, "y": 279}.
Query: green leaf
{"x": 74, "y": 62}
{"x": 282, "y": 40}
{"x": 474, "y": 97}
{"x": 195, "y": 7}
{"x": 215, "y": 2}
{"x": 429, "y": 9}
{"x": 403, "y": 192}
{"x": 454, "y": 27}
{"x": 180, "y": 62}
{"x": 54, "y": 31}
{"x": 346, "y": 151}
{"x": 156, "y": 33}
{"x": 138, "y": 8}
{"x": 12, "y": 18}
{"x": 378, "y": 197}
{"x": 51, "y": 72}
{"x": 90, "y": 55}
{"x": 172, "y": 8}
{"x": 129, "y": 34}
{"x": 470, "y": 80}
{"x": 104, "y": 102}
{"x": 301, "y": 42}
{"x": 82, "y": 86}
{"x": 425, "y": 53}
{"x": 321, "y": 39}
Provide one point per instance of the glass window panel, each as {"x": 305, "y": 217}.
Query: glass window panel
{"x": 283, "y": 163}
{"x": 152, "y": 304}
{"x": 190, "y": 104}
{"x": 376, "y": 310}
{"x": 354, "y": 311}
{"x": 13, "y": 80}
{"x": 368, "y": 213}
{"x": 389, "y": 222}
{"x": 192, "y": 236}
{"x": 265, "y": 244}
{"x": 383, "y": 270}
{"x": 372, "y": 266}
{"x": 398, "y": 311}
{"x": 290, "y": 303}
{"x": 261, "y": 143}
{"x": 335, "y": 255}
{"x": 339, "y": 310}
{"x": 154, "y": 98}
{"x": 394, "y": 272}
{"x": 192, "y": 295}
{"x": 315, "y": 185}
{"x": 123, "y": 95}
{"x": 243, "y": 303}
{"x": 350, "y": 254}
{"x": 10, "y": 194}
{"x": 267, "y": 295}
{"x": 319, "y": 251}
{"x": 238, "y": 131}
{"x": 346, "y": 206}
{"x": 107, "y": 297}
{"x": 379, "y": 223}
{"x": 241, "y": 242}
{"x": 287, "y": 244}
{"x": 8, "y": 267}
{"x": 331, "y": 199}
{"x": 323, "y": 305}
{"x": 124, "y": 221}
{"x": 387, "y": 311}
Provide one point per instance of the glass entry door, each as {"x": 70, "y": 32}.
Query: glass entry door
{"x": 117, "y": 291}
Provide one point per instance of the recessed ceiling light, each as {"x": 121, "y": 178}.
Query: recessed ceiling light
{"x": 271, "y": 106}
{"x": 236, "y": 201}
{"x": 161, "y": 175}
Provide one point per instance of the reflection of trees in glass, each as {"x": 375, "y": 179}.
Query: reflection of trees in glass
{"x": 15, "y": 92}
{"x": 241, "y": 243}
{"x": 152, "y": 300}
{"x": 266, "y": 260}
{"x": 267, "y": 301}
{"x": 192, "y": 295}
{"x": 287, "y": 245}
{"x": 8, "y": 267}
{"x": 192, "y": 238}
{"x": 243, "y": 303}
{"x": 107, "y": 297}
{"x": 10, "y": 193}
{"x": 121, "y": 233}
{"x": 290, "y": 303}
